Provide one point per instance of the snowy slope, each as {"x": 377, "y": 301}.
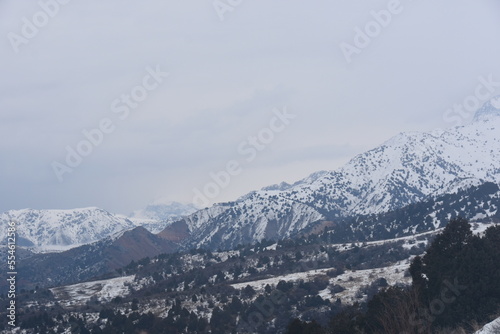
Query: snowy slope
{"x": 491, "y": 328}
{"x": 406, "y": 169}
{"x": 58, "y": 230}
{"x": 244, "y": 221}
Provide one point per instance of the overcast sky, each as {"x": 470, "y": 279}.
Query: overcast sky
{"x": 230, "y": 69}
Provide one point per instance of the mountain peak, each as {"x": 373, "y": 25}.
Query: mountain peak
{"x": 489, "y": 109}
{"x": 282, "y": 186}
{"x": 163, "y": 209}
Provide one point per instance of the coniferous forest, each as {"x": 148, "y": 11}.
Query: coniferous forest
{"x": 454, "y": 286}
{"x": 450, "y": 286}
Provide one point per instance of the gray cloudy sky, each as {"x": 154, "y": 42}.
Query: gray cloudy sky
{"x": 225, "y": 79}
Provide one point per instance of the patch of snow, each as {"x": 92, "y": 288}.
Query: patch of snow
{"x": 491, "y": 328}
{"x": 104, "y": 290}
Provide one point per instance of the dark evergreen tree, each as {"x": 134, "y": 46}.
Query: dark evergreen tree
{"x": 299, "y": 327}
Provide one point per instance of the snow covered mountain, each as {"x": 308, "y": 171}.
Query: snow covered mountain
{"x": 162, "y": 209}
{"x": 406, "y": 169}
{"x": 157, "y": 215}
{"x": 57, "y": 230}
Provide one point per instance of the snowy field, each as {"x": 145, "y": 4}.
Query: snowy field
{"x": 105, "y": 290}
{"x": 351, "y": 281}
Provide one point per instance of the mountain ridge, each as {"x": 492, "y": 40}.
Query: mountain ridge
{"x": 405, "y": 169}
{"x": 59, "y": 230}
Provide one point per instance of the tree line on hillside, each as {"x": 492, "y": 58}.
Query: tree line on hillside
{"x": 454, "y": 285}
{"x": 200, "y": 284}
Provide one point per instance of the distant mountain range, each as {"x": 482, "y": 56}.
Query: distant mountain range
{"x": 59, "y": 230}
{"x": 410, "y": 184}
{"x": 56, "y": 230}
{"x": 478, "y": 204}
{"x": 413, "y": 183}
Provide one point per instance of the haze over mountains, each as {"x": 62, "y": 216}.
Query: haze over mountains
{"x": 370, "y": 217}
{"x": 406, "y": 169}
{"x": 163, "y": 209}
{"x": 157, "y": 215}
